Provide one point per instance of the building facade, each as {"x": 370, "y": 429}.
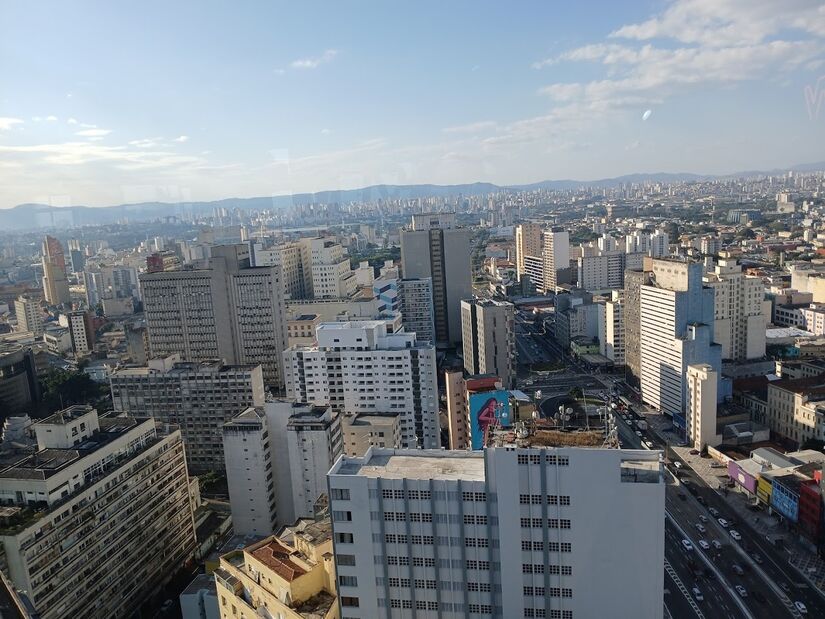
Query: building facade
{"x": 199, "y": 397}
{"x": 29, "y": 315}
{"x": 102, "y": 514}
{"x": 529, "y": 238}
{"x": 230, "y": 311}
{"x": 507, "y": 532}
{"x": 489, "y": 338}
{"x": 357, "y": 367}
{"x": 434, "y": 248}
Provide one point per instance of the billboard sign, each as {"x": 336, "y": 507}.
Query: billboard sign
{"x": 486, "y": 409}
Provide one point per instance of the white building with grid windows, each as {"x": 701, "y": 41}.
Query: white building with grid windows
{"x": 507, "y": 532}
{"x": 357, "y": 367}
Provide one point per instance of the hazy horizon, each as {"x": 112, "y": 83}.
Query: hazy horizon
{"x": 200, "y": 102}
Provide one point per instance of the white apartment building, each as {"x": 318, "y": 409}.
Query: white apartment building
{"x": 739, "y": 311}
{"x": 611, "y": 329}
{"x": 601, "y": 272}
{"x": 229, "y": 311}
{"x": 556, "y": 258}
{"x": 702, "y": 395}
{"x": 507, "y": 532}
{"x": 277, "y": 457}
{"x": 327, "y": 270}
{"x": 80, "y": 330}
{"x": 489, "y": 339}
{"x": 659, "y": 244}
{"x": 288, "y": 257}
{"x": 99, "y": 518}
{"x": 676, "y": 330}
{"x": 29, "y": 315}
{"x": 814, "y": 318}
{"x": 199, "y": 397}
{"x": 358, "y": 367}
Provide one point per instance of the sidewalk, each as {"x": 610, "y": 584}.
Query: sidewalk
{"x": 800, "y": 556}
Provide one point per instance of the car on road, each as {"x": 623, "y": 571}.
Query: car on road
{"x": 686, "y": 543}
{"x": 757, "y": 558}
{"x": 723, "y": 522}
{"x": 741, "y": 591}
{"x": 735, "y": 535}
{"x": 704, "y": 545}
{"x": 697, "y": 594}
{"x": 737, "y": 569}
{"x": 803, "y": 610}
{"x": 700, "y": 527}
{"x": 716, "y": 544}
{"x": 785, "y": 587}
{"x": 639, "y": 434}
{"x": 694, "y": 452}
{"x": 677, "y": 464}
{"x": 713, "y": 512}
{"x": 716, "y": 465}
{"x": 703, "y": 518}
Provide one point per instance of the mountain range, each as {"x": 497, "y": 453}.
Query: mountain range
{"x": 33, "y": 216}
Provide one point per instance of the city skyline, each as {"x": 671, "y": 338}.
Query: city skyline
{"x": 268, "y": 100}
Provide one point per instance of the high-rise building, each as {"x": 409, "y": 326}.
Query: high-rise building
{"x": 612, "y": 329}
{"x": 702, "y": 395}
{"x": 489, "y": 339}
{"x": 29, "y": 315}
{"x": 659, "y": 244}
{"x": 529, "y": 238}
{"x": 676, "y": 330}
{"x": 229, "y": 311}
{"x": 19, "y": 387}
{"x": 556, "y": 258}
{"x": 740, "y": 315}
{"x": 55, "y": 285}
{"x": 357, "y": 367}
{"x": 504, "y": 532}
{"x": 277, "y": 457}
{"x": 199, "y": 397}
{"x": 287, "y": 577}
{"x": 81, "y": 330}
{"x": 435, "y": 248}
{"x": 100, "y": 517}
{"x": 604, "y": 271}
{"x": 416, "y": 308}
{"x": 633, "y": 282}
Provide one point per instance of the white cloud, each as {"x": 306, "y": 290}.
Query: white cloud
{"x": 72, "y": 121}
{"x": 7, "y": 123}
{"x": 314, "y": 63}
{"x": 476, "y": 127}
{"x": 326, "y": 131}
{"x": 88, "y": 126}
{"x": 51, "y": 118}
{"x": 279, "y": 71}
{"x": 37, "y": 119}
{"x": 93, "y": 133}
{"x": 181, "y": 139}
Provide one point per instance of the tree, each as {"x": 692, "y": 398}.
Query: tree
{"x": 63, "y": 388}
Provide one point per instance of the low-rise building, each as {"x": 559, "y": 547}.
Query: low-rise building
{"x": 364, "y": 430}
{"x": 279, "y": 578}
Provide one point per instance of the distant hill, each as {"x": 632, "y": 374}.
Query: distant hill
{"x": 32, "y": 216}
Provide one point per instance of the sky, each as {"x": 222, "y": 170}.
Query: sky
{"x": 113, "y": 102}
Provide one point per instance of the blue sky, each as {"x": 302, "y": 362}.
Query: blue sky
{"x": 104, "y": 103}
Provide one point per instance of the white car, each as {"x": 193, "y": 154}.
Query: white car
{"x": 716, "y": 544}
{"x": 686, "y": 543}
{"x": 803, "y": 610}
{"x": 742, "y": 591}
{"x": 723, "y": 522}
{"x": 697, "y": 594}
{"x": 700, "y": 527}
{"x": 639, "y": 434}
{"x": 703, "y": 518}
{"x": 735, "y": 535}
{"x": 704, "y": 545}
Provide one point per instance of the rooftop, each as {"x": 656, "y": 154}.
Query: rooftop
{"x": 421, "y": 464}
{"x": 277, "y": 556}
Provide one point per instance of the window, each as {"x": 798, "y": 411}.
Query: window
{"x": 345, "y": 560}
{"x": 340, "y": 494}
{"x": 349, "y": 601}
{"x": 343, "y": 538}
{"x": 341, "y": 516}
{"x": 348, "y": 581}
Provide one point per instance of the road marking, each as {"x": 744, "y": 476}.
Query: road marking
{"x": 675, "y": 578}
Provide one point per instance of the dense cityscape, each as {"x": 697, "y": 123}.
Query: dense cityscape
{"x": 433, "y": 310}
